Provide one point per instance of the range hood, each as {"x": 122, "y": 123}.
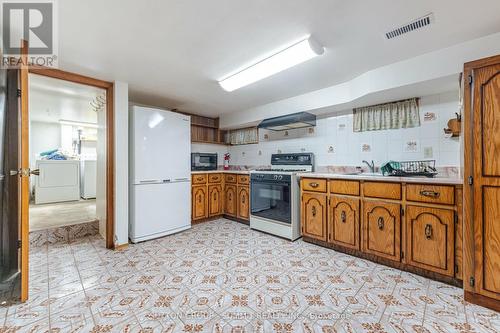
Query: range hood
{"x": 288, "y": 122}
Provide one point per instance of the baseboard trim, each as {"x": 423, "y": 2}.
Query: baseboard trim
{"x": 387, "y": 262}
{"x": 481, "y": 300}
{"x": 120, "y": 247}
{"x": 232, "y": 218}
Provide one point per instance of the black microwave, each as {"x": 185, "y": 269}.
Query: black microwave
{"x": 203, "y": 161}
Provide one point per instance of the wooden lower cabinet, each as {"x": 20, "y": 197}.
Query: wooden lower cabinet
{"x": 482, "y": 166}
{"x": 343, "y": 221}
{"x": 220, "y": 194}
{"x": 430, "y": 237}
{"x": 313, "y": 216}
{"x": 382, "y": 229}
{"x": 243, "y": 209}
{"x": 215, "y": 200}
{"x": 230, "y": 195}
{"x": 199, "y": 202}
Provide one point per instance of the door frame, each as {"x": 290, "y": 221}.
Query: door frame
{"x": 110, "y": 136}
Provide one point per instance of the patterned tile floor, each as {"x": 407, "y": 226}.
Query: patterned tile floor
{"x": 223, "y": 277}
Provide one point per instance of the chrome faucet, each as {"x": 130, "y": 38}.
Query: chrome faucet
{"x": 370, "y": 165}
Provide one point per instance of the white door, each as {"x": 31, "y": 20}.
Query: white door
{"x": 160, "y": 209}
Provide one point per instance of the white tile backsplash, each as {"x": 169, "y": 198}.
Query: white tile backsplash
{"x": 385, "y": 145}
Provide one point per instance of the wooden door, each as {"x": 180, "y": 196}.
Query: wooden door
{"x": 199, "y": 202}
{"x": 430, "y": 237}
{"x": 230, "y": 207}
{"x": 313, "y": 216}
{"x": 382, "y": 229}
{"x": 243, "y": 202}
{"x": 482, "y": 188}
{"x": 343, "y": 226}
{"x": 215, "y": 200}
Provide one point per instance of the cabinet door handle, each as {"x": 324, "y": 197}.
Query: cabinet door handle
{"x": 243, "y": 199}
{"x": 430, "y": 194}
{"x": 199, "y": 178}
{"x": 380, "y": 223}
{"x": 343, "y": 217}
{"x": 314, "y": 185}
{"x": 199, "y": 199}
{"x": 314, "y": 211}
{"x": 428, "y": 231}
{"x": 215, "y": 196}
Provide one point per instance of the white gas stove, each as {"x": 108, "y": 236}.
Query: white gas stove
{"x": 275, "y": 195}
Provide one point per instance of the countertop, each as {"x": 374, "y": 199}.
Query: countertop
{"x": 239, "y": 172}
{"x": 420, "y": 180}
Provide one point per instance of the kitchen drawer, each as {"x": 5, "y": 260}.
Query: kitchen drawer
{"x": 314, "y": 185}
{"x": 382, "y": 190}
{"x": 230, "y": 178}
{"x": 243, "y": 179}
{"x": 439, "y": 194}
{"x": 350, "y": 187}
{"x": 199, "y": 178}
{"x": 214, "y": 177}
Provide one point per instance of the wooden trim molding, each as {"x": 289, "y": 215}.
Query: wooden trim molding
{"x": 110, "y": 137}
{"x": 24, "y": 179}
{"x": 481, "y": 300}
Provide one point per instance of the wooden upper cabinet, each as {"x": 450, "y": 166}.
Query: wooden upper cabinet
{"x": 199, "y": 202}
{"x": 215, "y": 197}
{"x": 243, "y": 202}
{"x": 230, "y": 195}
{"x": 482, "y": 163}
{"x": 430, "y": 237}
{"x": 313, "y": 216}
{"x": 343, "y": 227}
{"x": 382, "y": 229}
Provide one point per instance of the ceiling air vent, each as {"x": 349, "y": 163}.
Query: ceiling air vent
{"x": 413, "y": 25}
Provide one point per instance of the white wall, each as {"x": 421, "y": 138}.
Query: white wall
{"x": 211, "y": 148}
{"x": 121, "y": 162}
{"x": 336, "y": 131}
{"x": 101, "y": 163}
{"x": 43, "y": 137}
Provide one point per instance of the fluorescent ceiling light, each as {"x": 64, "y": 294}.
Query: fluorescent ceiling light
{"x": 292, "y": 55}
{"x": 77, "y": 123}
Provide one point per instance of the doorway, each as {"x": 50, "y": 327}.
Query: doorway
{"x": 68, "y": 159}
{"x": 88, "y": 137}
{"x": 21, "y": 157}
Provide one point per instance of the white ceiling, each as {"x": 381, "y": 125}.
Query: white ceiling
{"x": 172, "y": 52}
{"x": 51, "y": 100}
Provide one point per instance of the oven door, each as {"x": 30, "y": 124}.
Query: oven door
{"x": 271, "y": 200}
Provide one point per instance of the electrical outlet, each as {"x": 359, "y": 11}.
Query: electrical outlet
{"x": 428, "y": 152}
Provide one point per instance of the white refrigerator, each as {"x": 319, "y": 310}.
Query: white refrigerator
{"x": 160, "y": 171}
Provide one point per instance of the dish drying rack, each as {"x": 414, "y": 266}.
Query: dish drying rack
{"x": 425, "y": 168}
